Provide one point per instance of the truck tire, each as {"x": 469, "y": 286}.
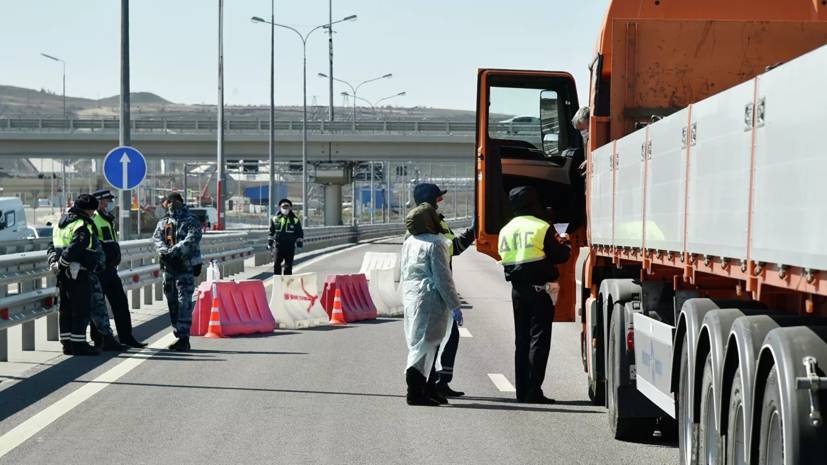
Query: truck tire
{"x": 709, "y": 450}
{"x": 687, "y": 430}
{"x": 623, "y": 428}
{"x": 771, "y": 440}
{"x": 736, "y": 447}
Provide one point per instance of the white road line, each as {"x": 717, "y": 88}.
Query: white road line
{"x": 501, "y": 382}
{"x": 331, "y": 254}
{"x": 24, "y": 431}
{"x": 463, "y": 332}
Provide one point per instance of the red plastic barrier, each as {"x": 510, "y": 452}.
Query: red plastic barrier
{"x": 356, "y": 301}
{"x": 243, "y": 308}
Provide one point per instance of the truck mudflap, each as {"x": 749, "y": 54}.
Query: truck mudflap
{"x": 653, "y": 358}
{"x": 790, "y": 402}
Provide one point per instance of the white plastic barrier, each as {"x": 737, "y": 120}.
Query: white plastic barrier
{"x": 295, "y": 302}
{"x": 384, "y": 292}
{"x": 381, "y": 261}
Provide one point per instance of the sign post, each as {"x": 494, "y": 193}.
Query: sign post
{"x": 124, "y": 168}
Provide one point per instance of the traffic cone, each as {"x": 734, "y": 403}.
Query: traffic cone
{"x": 337, "y": 316}
{"x": 214, "y": 330}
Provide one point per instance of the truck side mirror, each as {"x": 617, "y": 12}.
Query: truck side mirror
{"x": 550, "y": 123}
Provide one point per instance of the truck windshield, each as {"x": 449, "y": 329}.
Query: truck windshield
{"x": 515, "y": 116}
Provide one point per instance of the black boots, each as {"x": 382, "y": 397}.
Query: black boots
{"x": 132, "y": 342}
{"x": 82, "y": 348}
{"x": 181, "y": 345}
{"x": 445, "y": 390}
{"x": 417, "y": 386}
{"x": 109, "y": 344}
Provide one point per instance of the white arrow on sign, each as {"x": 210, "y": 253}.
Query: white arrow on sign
{"x": 125, "y": 167}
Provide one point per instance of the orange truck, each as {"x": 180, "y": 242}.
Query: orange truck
{"x": 695, "y": 201}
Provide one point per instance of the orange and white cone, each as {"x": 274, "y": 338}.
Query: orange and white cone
{"x": 337, "y": 316}
{"x": 214, "y": 330}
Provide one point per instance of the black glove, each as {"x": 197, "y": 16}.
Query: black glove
{"x": 196, "y": 270}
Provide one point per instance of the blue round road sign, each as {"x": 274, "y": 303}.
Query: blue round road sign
{"x": 124, "y": 167}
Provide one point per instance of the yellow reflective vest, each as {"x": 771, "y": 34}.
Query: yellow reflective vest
{"x": 105, "y": 231}
{"x": 62, "y": 237}
{"x": 521, "y": 240}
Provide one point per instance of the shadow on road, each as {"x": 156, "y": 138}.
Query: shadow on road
{"x": 43, "y": 384}
{"x": 517, "y": 407}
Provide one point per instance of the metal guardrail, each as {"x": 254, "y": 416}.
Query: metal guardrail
{"x": 34, "y": 293}
{"x": 184, "y": 126}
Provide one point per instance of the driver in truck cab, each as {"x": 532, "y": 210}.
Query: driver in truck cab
{"x": 530, "y": 249}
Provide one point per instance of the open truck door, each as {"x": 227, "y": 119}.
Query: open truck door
{"x": 525, "y": 137}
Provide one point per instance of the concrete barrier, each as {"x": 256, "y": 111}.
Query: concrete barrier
{"x": 384, "y": 292}
{"x": 381, "y": 261}
{"x": 295, "y": 302}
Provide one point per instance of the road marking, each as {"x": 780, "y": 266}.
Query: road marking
{"x": 24, "y": 431}
{"x": 463, "y": 332}
{"x": 501, "y": 382}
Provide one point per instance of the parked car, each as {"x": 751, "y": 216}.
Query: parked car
{"x": 38, "y": 232}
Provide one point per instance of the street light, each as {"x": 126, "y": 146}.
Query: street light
{"x": 63, "y": 162}
{"x": 400, "y": 94}
{"x": 373, "y": 104}
{"x": 355, "y": 89}
{"x": 303, "y": 38}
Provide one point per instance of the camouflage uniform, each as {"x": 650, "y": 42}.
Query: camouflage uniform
{"x": 177, "y": 238}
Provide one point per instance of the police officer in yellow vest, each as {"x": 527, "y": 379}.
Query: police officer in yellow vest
{"x": 74, "y": 255}
{"x": 286, "y": 236}
{"x": 530, "y": 248}
{"x": 109, "y": 280}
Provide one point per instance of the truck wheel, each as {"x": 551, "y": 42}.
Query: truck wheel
{"x": 771, "y": 446}
{"x": 736, "y": 448}
{"x": 708, "y": 436}
{"x": 623, "y": 428}
{"x": 687, "y": 431}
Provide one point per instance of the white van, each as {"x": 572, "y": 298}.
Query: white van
{"x": 12, "y": 219}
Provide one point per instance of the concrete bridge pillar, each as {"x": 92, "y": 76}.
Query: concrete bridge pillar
{"x": 332, "y": 204}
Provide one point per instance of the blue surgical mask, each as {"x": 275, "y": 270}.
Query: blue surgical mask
{"x": 110, "y": 207}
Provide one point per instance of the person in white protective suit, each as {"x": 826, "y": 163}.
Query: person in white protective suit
{"x": 428, "y": 297}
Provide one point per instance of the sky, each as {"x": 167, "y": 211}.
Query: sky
{"x": 432, "y": 48}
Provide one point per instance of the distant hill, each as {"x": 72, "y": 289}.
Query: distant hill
{"x": 20, "y": 102}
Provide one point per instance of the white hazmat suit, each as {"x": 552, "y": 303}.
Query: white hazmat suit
{"x": 428, "y": 297}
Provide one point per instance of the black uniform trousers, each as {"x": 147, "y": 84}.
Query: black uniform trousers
{"x": 115, "y": 294}
{"x": 533, "y": 314}
{"x": 449, "y": 356}
{"x": 284, "y": 254}
{"x": 75, "y": 306}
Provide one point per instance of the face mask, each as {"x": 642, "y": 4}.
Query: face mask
{"x": 284, "y": 211}
{"x": 110, "y": 207}
{"x": 585, "y": 134}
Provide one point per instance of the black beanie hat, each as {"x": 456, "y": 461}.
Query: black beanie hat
{"x": 86, "y": 202}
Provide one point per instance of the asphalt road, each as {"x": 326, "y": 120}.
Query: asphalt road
{"x": 326, "y": 395}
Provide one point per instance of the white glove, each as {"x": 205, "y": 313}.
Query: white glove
{"x": 74, "y": 269}
{"x": 54, "y": 269}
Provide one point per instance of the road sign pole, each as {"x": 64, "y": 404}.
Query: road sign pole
{"x": 124, "y": 221}
{"x": 219, "y": 172}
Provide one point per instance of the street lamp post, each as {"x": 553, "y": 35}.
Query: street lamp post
{"x": 303, "y": 38}
{"x": 63, "y": 162}
{"x": 355, "y": 89}
{"x": 373, "y": 104}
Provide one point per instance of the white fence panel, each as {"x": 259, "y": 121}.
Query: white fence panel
{"x": 601, "y": 198}
{"x": 789, "y": 215}
{"x": 719, "y": 168}
{"x": 666, "y": 184}
{"x": 628, "y": 230}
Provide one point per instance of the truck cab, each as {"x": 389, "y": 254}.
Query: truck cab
{"x": 525, "y": 138}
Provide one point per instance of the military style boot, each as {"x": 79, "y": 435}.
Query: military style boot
{"x": 416, "y": 389}
{"x": 181, "y": 345}
{"x": 82, "y": 348}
